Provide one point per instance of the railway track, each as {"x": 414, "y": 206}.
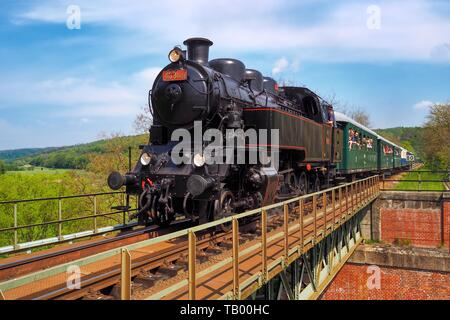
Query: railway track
{"x": 20, "y": 265}
{"x": 154, "y": 267}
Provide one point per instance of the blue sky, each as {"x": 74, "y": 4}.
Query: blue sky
{"x": 61, "y": 86}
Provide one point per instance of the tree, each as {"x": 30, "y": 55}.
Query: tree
{"x": 2, "y": 167}
{"x": 360, "y": 116}
{"x": 436, "y": 136}
{"x": 143, "y": 120}
{"x": 356, "y": 113}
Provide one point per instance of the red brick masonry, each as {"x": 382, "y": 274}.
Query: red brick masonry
{"x": 395, "y": 284}
{"x": 417, "y": 227}
{"x": 446, "y": 218}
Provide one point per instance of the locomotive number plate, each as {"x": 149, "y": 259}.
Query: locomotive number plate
{"x": 175, "y": 75}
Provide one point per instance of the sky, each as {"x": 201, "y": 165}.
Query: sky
{"x": 74, "y": 71}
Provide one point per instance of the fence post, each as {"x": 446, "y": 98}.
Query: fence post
{"x": 352, "y": 191}
{"x": 59, "y": 219}
{"x": 95, "y": 214}
{"x": 125, "y": 281}
{"x": 341, "y": 205}
{"x": 358, "y": 193}
{"x": 286, "y": 233}
{"x": 333, "y": 206}
{"x": 264, "y": 244}
{"x": 235, "y": 226}
{"x": 124, "y": 212}
{"x": 315, "y": 218}
{"x": 300, "y": 207}
{"x": 371, "y": 186}
{"x": 420, "y": 182}
{"x": 16, "y": 236}
{"x": 346, "y": 202}
{"x": 324, "y": 204}
{"x": 191, "y": 264}
{"x": 365, "y": 191}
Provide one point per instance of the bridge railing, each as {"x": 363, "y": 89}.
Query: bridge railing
{"x": 32, "y": 223}
{"x": 306, "y": 220}
{"x": 419, "y": 180}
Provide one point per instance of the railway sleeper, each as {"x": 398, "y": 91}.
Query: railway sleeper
{"x": 135, "y": 287}
{"x": 96, "y": 295}
{"x": 148, "y": 279}
{"x": 171, "y": 269}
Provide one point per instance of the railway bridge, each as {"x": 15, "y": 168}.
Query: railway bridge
{"x": 291, "y": 249}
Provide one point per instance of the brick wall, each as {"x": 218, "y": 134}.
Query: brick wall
{"x": 446, "y": 218}
{"x": 395, "y": 284}
{"x": 415, "y": 218}
{"x": 418, "y": 227}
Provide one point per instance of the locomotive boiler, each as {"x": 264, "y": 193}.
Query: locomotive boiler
{"x": 193, "y": 95}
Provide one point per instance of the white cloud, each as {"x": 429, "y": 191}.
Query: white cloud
{"x": 83, "y": 98}
{"x": 283, "y": 64}
{"x": 148, "y": 75}
{"x": 280, "y": 65}
{"x": 408, "y": 31}
{"x": 424, "y": 104}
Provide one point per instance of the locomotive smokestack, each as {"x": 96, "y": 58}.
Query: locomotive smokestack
{"x": 198, "y": 49}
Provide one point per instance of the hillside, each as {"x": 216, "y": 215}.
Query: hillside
{"x": 77, "y": 156}
{"x": 10, "y": 155}
{"x": 408, "y": 137}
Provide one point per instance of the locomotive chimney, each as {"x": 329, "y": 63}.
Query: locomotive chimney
{"x": 198, "y": 49}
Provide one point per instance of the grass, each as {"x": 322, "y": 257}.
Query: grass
{"x": 39, "y": 170}
{"x": 426, "y": 186}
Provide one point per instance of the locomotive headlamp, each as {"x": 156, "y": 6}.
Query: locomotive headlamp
{"x": 146, "y": 159}
{"x": 175, "y": 55}
{"x": 199, "y": 160}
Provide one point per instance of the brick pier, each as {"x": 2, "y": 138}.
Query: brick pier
{"x": 407, "y": 255}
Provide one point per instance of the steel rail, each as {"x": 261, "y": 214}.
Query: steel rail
{"x": 113, "y": 273}
{"x": 29, "y": 261}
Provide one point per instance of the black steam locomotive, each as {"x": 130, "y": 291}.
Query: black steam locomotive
{"x": 224, "y": 95}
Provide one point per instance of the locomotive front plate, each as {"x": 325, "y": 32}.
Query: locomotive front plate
{"x": 174, "y": 75}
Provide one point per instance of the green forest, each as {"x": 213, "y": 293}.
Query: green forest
{"x": 72, "y": 157}
{"x": 410, "y": 138}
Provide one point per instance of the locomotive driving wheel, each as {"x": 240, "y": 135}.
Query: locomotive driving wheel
{"x": 302, "y": 184}
{"x": 223, "y": 207}
{"x": 315, "y": 183}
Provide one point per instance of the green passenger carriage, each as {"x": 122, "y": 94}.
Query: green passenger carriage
{"x": 364, "y": 150}
{"x": 359, "y": 146}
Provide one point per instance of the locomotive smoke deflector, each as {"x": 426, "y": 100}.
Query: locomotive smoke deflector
{"x": 198, "y": 49}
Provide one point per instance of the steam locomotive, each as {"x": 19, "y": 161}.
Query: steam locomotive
{"x": 195, "y": 93}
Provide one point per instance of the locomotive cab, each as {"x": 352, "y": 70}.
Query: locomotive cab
{"x": 307, "y": 103}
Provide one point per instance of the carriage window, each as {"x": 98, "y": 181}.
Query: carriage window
{"x": 354, "y": 139}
